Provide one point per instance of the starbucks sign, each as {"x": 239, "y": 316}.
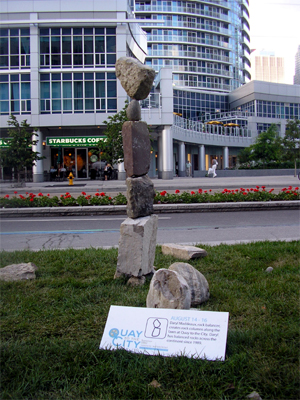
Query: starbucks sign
{"x": 73, "y": 141}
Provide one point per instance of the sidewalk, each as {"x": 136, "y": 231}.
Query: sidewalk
{"x": 114, "y": 187}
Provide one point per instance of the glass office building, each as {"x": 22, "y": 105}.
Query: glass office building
{"x": 57, "y": 70}
{"x": 207, "y": 45}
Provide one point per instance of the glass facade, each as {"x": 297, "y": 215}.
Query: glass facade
{"x": 206, "y": 43}
{"x": 14, "y": 48}
{"x": 78, "y": 92}
{"x": 15, "y": 94}
{"x": 272, "y": 109}
{"x": 195, "y": 105}
{"x": 77, "y": 47}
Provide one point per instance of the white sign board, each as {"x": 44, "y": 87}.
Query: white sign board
{"x": 166, "y": 332}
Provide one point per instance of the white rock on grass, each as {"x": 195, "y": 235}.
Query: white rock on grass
{"x": 183, "y": 252}
{"x": 18, "y": 272}
{"x": 168, "y": 290}
{"x": 197, "y": 282}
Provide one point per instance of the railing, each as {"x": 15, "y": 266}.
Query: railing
{"x": 187, "y": 39}
{"x": 184, "y": 24}
{"x": 189, "y": 54}
{"x": 228, "y": 116}
{"x": 180, "y": 10}
{"x": 198, "y": 132}
{"x": 190, "y": 68}
{"x": 205, "y": 85}
{"x": 152, "y": 101}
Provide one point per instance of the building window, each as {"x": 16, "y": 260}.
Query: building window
{"x": 14, "y": 48}
{"x": 15, "y": 94}
{"x": 77, "y": 47}
{"x": 77, "y": 92}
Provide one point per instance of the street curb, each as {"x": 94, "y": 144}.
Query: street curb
{"x": 158, "y": 209}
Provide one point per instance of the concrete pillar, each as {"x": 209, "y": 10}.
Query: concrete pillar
{"x": 202, "y": 157}
{"x": 225, "y": 157}
{"x": 181, "y": 159}
{"x": 34, "y": 71}
{"x": 121, "y": 52}
{"x": 121, "y": 172}
{"x": 38, "y": 168}
{"x": 167, "y": 150}
{"x": 159, "y": 157}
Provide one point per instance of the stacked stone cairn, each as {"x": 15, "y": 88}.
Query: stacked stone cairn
{"x": 138, "y": 232}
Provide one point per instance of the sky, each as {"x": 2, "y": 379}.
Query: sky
{"x": 275, "y": 26}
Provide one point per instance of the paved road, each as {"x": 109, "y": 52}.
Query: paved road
{"x": 196, "y": 228}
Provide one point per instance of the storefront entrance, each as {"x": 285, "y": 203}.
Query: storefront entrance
{"x": 76, "y": 154}
{"x": 72, "y": 159}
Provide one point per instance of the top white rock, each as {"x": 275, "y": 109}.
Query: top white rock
{"x": 135, "y": 77}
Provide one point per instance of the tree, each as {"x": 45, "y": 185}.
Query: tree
{"x": 268, "y": 146}
{"x": 291, "y": 141}
{"x": 111, "y": 147}
{"x": 244, "y": 155}
{"x": 19, "y": 154}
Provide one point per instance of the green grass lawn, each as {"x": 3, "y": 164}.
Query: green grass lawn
{"x": 51, "y": 328}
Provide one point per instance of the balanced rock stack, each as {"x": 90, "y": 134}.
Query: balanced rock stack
{"x": 138, "y": 232}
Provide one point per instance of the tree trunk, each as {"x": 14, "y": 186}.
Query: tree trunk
{"x": 295, "y": 168}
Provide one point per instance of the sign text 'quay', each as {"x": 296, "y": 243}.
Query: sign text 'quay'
{"x": 153, "y": 331}
{"x": 73, "y": 141}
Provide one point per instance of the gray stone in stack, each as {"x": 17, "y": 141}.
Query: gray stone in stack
{"x": 136, "y": 147}
{"x": 135, "y": 77}
{"x": 140, "y": 194}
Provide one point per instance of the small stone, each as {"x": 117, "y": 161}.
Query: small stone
{"x": 155, "y": 384}
{"x": 18, "y": 272}
{"x": 136, "y": 147}
{"x": 168, "y": 289}
{"x": 135, "y": 77}
{"x": 140, "y": 195}
{"x": 183, "y": 252}
{"x": 137, "y": 246}
{"x": 136, "y": 281}
{"x": 197, "y": 282}
{"x": 133, "y": 111}
{"x": 254, "y": 396}
{"x": 269, "y": 269}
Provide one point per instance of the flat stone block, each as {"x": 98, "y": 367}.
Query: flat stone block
{"x": 140, "y": 195}
{"x": 136, "y": 146}
{"x": 137, "y": 246}
{"x": 183, "y": 252}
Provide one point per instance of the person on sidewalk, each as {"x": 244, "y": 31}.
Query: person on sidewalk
{"x": 213, "y": 168}
{"x": 188, "y": 168}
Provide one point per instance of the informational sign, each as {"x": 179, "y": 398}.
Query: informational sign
{"x": 153, "y": 331}
{"x": 73, "y": 141}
